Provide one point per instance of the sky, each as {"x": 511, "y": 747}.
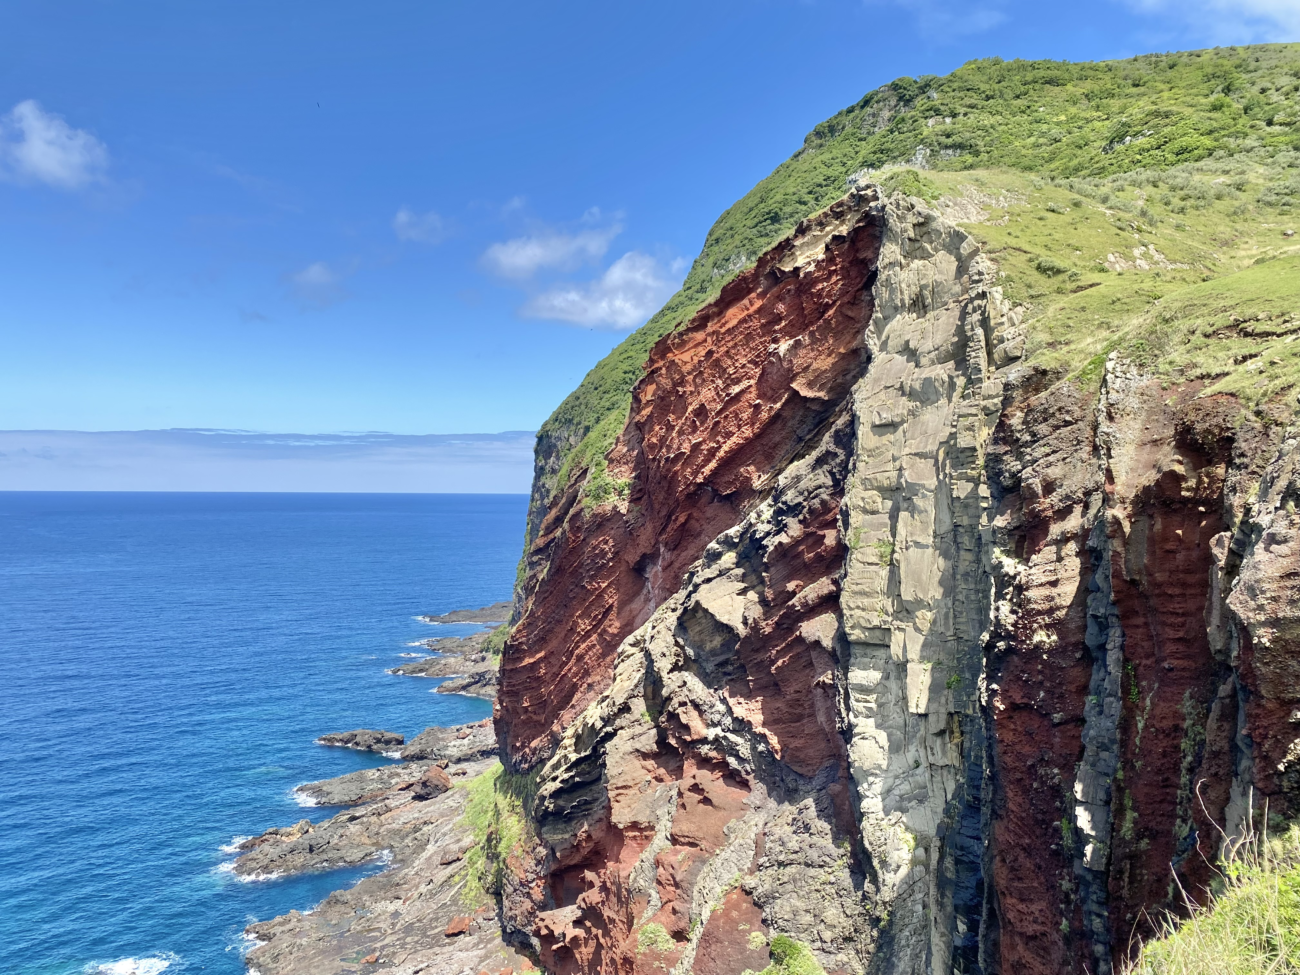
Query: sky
{"x": 421, "y": 217}
{"x": 226, "y": 460}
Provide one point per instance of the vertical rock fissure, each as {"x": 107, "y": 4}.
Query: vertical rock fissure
{"x": 1095, "y": 779}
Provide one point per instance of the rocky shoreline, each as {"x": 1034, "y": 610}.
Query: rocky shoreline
{"x": 466, "y": 663}
{"x": 422, "y": 914}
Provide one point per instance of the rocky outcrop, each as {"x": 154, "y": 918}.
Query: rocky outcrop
{"x": 463, "y": 743}
{"x": 726, "y": 403}
{"x": 364, "y": 741}
{"x": 886, "y": 642}
{"x": 420, "y": 914}
{"x": 359, "y": 786}
{"x": 496, "y": 613}
{"x": 465, "y": 664}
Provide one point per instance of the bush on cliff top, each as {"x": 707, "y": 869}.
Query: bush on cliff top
{"x": 1252, "y": 925}
{"x": 1089, "y": 121}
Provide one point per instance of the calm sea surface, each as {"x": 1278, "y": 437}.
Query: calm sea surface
{"x": 166, "y": 661}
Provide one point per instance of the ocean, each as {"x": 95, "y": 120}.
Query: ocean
{"x": 166, "y": 662}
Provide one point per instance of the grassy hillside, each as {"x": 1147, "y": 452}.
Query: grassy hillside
{"x": 1196, "y": 154}
{"x": 1252, "y": 927}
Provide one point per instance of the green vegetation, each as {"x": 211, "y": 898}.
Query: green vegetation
{"x": 790, "y": 957}
{"x": 495, "y": 814}
{"x": 497, "y": 640}
{"x": 884, "y": 549}
{"x": 1250, "y": 927}
{"x": 1192, "y": 154}
{"x": 654, "y": 937}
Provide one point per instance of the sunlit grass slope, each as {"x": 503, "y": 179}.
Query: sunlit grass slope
{"x": 1195, "y": 154}
{"x": 1251, "y": 927}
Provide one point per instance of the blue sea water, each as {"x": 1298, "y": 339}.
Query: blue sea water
{"x": 166, "y": 661}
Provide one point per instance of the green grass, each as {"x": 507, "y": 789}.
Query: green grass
{"x": 790, "y": 957}
{"x": 1250, "y": 927}
{"x": 1218, "y": 302}
{"x": 654, "y": 937}
{"x": 496, "y": 817}
{"x": 1083, "y": 126}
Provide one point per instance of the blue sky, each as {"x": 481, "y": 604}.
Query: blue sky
{"x": 421, "y": 217}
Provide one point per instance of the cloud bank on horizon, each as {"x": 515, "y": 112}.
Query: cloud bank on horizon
{"x": 225, "y": 460}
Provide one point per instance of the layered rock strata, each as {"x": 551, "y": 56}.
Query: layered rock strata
{"x": 886, "y": 642}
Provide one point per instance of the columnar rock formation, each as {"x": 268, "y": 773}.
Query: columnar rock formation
{"x": 889, "y": 643}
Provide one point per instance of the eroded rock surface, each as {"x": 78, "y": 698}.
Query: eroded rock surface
{"x": 930, "y": 660}
{"x": 463, "y": 661}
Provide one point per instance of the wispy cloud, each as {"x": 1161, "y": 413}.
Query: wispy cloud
{"x": 318, "y": 285}
{"x": 1230, "y": 21}
{"x": 423, "y": 228}
{"x": 522, "y": 257}
{"x": 629, "y": 292}
{"x": 39, "y": 146}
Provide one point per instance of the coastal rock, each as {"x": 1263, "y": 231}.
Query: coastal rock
{"x": 975, "y": 675}
{"x": 393, "y": 920}
{"x": 359, "y": 786}
{"x": 364, "y": 740}
{"x": 705, "y": 762}
{"x": 462, "y": 743}
{"x": 470, "y": 669}
{"x": 496, "y": 613}
{"x": 433, "y": 783}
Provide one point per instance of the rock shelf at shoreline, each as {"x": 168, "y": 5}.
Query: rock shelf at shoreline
{"x": 496, "y": 613}
{"x": 415, "y": 916}
{"x": 364, "y": 740}
{"x": 463, "y": 661}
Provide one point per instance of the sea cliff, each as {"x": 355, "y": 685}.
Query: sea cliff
{"x": 920, "y": 591}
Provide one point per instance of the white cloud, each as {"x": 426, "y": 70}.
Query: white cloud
{"x": 629, "y": 292}
{"x": 424, "y": 228}
{"x": 38, "y": 146}
{"x": 522, "y": 257}
{"x": 1232, "y": 21}
{"x": 318, "y": 285}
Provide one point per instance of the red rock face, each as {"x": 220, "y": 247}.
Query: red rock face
{"x": 726, "y": 404}
{"x": 1036, "y": 718}
{"x": 1159, "y": 494}
{"x": 779, "y": 679}
{"x": 726, "y": 401}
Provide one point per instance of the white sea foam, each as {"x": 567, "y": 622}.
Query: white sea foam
{"x": 384, "y": 857}
{"x": 391, "y": 754}
{"x": 415, "y": 643}
{"x": 133, "y": 966}
{"x": 416, "y": 655}
{"x": 303, "y": 800}
{"x": 233, "y": 845}
{"x": 257, "y": 877}
{"x": 227, "y": 867}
